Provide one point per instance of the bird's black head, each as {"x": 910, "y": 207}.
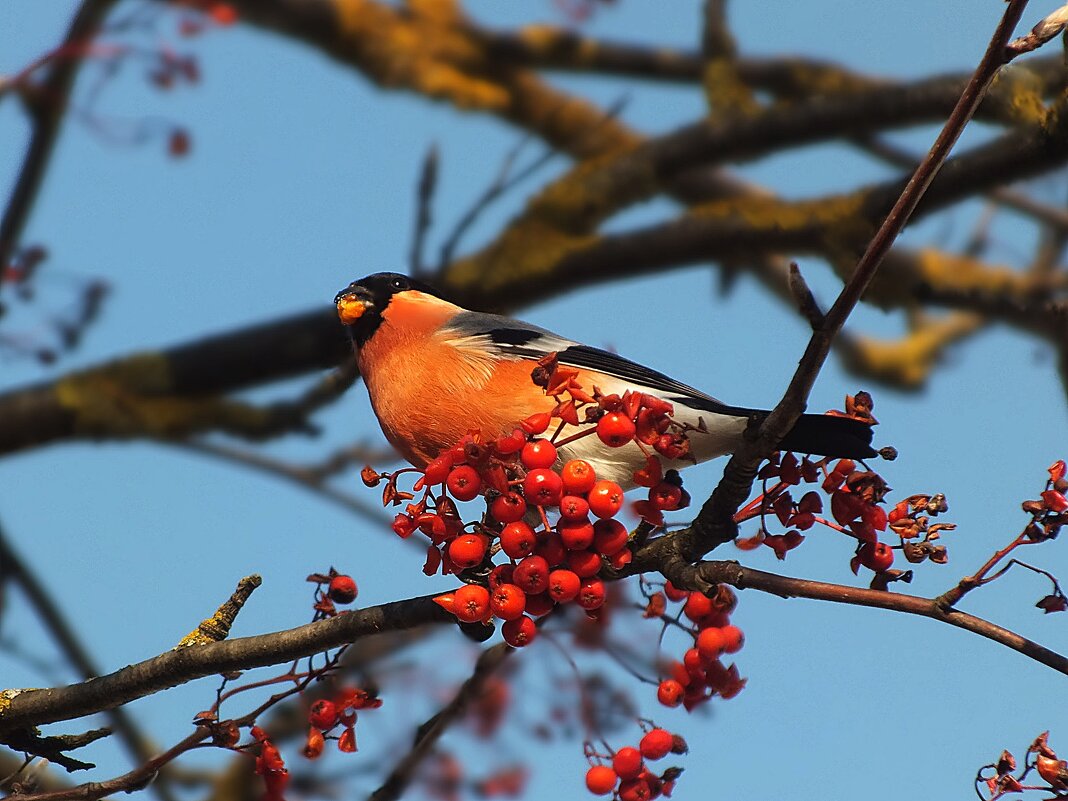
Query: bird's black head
{"x": 361, "y": 304}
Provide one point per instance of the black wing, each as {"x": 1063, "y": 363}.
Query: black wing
{"x": 642, "y": 376}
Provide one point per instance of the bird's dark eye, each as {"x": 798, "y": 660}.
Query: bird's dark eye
{"x": 399, "y": 283}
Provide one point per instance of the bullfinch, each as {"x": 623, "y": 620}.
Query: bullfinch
{"x": 436, "y": 371}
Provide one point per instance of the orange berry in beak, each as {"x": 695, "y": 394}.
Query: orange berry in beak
{"x": 350, "y": 309}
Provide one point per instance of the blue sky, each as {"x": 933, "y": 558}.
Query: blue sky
{"x": 301, "y": 178}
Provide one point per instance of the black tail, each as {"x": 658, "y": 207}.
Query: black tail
{"x": 826, "y": 435}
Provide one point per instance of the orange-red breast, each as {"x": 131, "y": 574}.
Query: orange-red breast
{"x": 436, "y": 371}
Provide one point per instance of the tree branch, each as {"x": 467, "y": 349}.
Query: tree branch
{"x": 19, "y": 709}
{"x": 428, "y": 734}
{"x": 47, "y": 109}
{"x": 11, "y": 564}
{"x": 732, "y": 573}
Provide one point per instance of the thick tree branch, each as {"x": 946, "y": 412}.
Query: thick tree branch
{"x": 24, "y": 708}
{"x": 432, "y": 49}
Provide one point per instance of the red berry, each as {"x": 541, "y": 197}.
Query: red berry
{"x": 656, "y": 744}
{"x": 695, "y": 666}
{"x": 540, "y": 604}
{"x": 635, "y": 790}
{"x": 342, "y": 589}
{"x": 508, "y": 508}
{"x": 609, "y": 536}
{"x": 506, "y": 446}
{"x": 573, "y": 507}
{"x": 543, "y": 487}
{"x": 463, "y": 483}
{"x": 584, "y": 563}
{"x": 606, "y": 498}
{"x": 532, "y": 575}
{"x": 178, "y": 143}
{"x": 665, "y": 496}
{"x": 877, "y": 556}
{"x": 447, "y": 600}
{"x": 551, "y": 548}
{"x": 578, "y": 477}
{"x": 538, "y": 453}
{"x": 471, "y": 602}
{"x": 223, "y": 14}
{"x": 674, "y": 593}
{"x": 615, "y": 429}
{"x": 670, "y": 692}
{"x": 518, "y": 539}
{"x": 467, "y": 550}
{"x": 537, "y": 423}
{"x": 621, "y": 558}
{"x": 627, "y": 762}
{"x": 508, "y": 601}
{"x": 576, "y": 535}
{"x": 437, "y": 470}
{"x": 501, "y": 574}
{"x": 697, "y": 606}
{"x": 710, "y": 643}
{"x": 733, "y": 639}
{"x": 519, "y": 632}
{"x": 601, "y": 780}
{"x": 591, "y": 594}
{"x": 563, "y": 585}
{"x": 323, "y": 714}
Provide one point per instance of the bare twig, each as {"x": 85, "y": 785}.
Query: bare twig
{"x": 12, "y": 565}
{"x": 47, "y": 111}
{"x": 709, "y": 573}
{"x": 308, "y": 478}
{"x": 501, "y": 184}
{"x": 424, "y": 202}
{"x": 803, "y": 297}
{"x": 429, "y": 733}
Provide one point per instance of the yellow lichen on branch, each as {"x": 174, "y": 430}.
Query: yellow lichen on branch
{"x": 430, "y": 48}
{"x": 128, "y": 399}
{"x": 906, "y": 274}
{"x": 907, "y": 363}
{"x": 217, "y": 627}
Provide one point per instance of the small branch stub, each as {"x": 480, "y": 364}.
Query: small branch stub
{"x": 217, "y": 627}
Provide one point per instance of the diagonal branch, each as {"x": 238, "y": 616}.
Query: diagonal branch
{"x": 47, "y": 108}
{"x": 12, "y": 565}
{"x": 430, "y": 732}
{"x": 714, "y": 524}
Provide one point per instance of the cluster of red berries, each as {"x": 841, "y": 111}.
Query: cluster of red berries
{"x": 550, "y": 562}
{"x": 1050, "y": 511}
{"x": 626, "y": 773}
{"x": 1002, "y": 778}
{"x": 701, "y": 674}
{"x": 340, "y": 712}
{"x": 856, "y": 498}
{"x": 332, "y": 588}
